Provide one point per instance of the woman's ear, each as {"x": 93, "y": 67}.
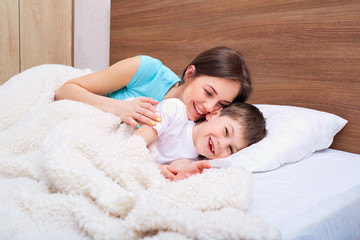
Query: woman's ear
{"x": 213, "y": 114}
{"x": 190, "y": 71}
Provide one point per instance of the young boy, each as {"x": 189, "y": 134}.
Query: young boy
{"x": 221, "y": 134}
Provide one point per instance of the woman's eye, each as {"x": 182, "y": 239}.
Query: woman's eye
{"x": 231, "y": 150}
{"x": 207, "y": 92}
{"x": 226, "y": 132}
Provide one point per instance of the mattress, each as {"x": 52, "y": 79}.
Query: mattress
{"x": 316, "y": 198}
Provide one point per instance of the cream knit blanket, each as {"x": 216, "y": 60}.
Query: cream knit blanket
{"x": 71, "y": 171}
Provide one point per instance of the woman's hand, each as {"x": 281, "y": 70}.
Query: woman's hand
{"x": 139, "y": 110}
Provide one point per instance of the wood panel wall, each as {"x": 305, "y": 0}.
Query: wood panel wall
{"x": 9, "y": 39}
{"x": 46, "y": 32}
{"x": 34, "y": 32}
{"x": 302, "y": 53}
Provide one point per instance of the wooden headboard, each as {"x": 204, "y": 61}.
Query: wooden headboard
{"x": 303, "y": 53}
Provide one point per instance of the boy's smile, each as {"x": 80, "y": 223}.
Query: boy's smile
{"x": 211, "y": 146}
{"x": 218, "y": 137}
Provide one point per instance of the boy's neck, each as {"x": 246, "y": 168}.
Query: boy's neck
{"x": 195, "y": 131}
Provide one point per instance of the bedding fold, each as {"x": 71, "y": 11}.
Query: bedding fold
{"x": 69, "y": 170}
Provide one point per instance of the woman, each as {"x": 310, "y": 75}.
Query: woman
{"x": 209, "y": 83}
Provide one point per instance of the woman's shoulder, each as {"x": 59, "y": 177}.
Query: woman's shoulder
{"x": 149, "y": 66}
{"x": 152, "y": 69}
{"x": 145, "y": 59}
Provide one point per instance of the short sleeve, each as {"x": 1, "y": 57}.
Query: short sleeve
{"x": 148, "y": 69}
{"x": 152, "y": 79}
{"x": 172, "y": 112}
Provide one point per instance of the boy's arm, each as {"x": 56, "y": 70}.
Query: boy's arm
{"x": 168, "y": 172}
{"x": 188, "y": 167}
{"x": 148, "y": 133}
{"x": 180, "y": 163}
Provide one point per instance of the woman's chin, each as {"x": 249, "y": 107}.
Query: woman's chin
{"x": 191, "y": 117}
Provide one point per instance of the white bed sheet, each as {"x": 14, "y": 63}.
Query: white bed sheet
{"x": 316, "y": 198}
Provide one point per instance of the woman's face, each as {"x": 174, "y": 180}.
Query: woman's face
{"x": 205, "y": 94}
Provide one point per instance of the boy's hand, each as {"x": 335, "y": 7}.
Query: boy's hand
{"x": 192, "y": 168}
{"x": 168, "y": 172}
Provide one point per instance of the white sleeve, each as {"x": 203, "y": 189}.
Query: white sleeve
{"x": 171, "y": 111}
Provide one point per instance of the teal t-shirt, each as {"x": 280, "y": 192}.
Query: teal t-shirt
{"x": 152, "y": 79}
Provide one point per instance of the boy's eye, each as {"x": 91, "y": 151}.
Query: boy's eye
{"x": 226, "y": 132}
{"x": 231, "y": 150}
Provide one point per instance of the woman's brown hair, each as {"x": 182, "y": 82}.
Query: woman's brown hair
{"x": 225, "y": 63}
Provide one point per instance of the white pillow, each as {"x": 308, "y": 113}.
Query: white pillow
{"x": 293, "y": 134}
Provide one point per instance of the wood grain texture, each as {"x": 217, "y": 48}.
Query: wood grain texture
{"x": 302, "y": 53}
{"x": 46, "y": 32}
{"x": 9, "y": 39}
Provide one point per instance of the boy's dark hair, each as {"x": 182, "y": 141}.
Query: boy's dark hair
{"x": 225, "y": 63}
{"x": 250, "y": 117}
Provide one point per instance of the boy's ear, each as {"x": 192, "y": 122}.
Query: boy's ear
{"x": 213, "y": 114}
{"x": 189, "y": 72}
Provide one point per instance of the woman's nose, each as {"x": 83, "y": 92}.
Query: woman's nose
{"x": 210, "y": 105}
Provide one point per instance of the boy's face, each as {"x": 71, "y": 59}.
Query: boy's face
{"x": 218, "y": 137}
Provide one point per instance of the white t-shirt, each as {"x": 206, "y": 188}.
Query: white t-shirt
{"x": 174, "y": 132}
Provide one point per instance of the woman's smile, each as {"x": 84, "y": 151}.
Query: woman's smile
{"x": 205, "y": 94}
{"x": 198, "y": 111}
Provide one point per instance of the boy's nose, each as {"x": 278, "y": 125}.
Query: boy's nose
{"x": 223, "y": 143}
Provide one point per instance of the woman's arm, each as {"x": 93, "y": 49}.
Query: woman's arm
{"x": 92, "y": 88}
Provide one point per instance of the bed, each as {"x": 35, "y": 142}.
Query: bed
{"x": 70, "y": 171}
{"x": 317, "y": 198}
{"x": 300, "y": 53}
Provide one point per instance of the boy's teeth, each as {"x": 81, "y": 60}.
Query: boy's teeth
{"x": 211, "y": 145}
